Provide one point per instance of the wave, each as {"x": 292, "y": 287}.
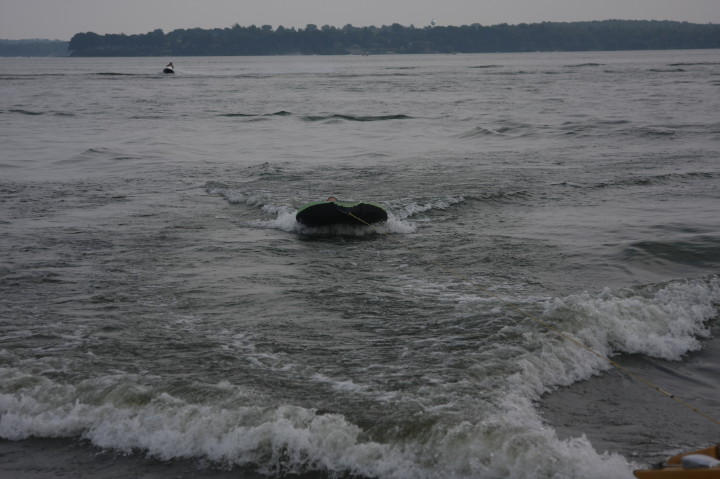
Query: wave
{"x": 320, "y": 118}
{"x": 693, "y": 64}
{"x": 27, "y": 112}
{"x": 399, "y": 211}
{"x": 510, "y": 130}
{"x": 279, "y": 440}
{"x": 283, "y": 440}
{"x": 413, "y": 208}
{"x": 662, "y": 321}
{"x": 256, "y": 115}
{"x": 29, "y": 76}
{"x": 686, "y": 177}
{"x": 22, "y": 111}
{"x": 38, "y": 113}
{"x": 398, "y": 219}
{"x": 234, "y": 426}
{"x": 285, "y": 221}
{"x": 103, "y": 154}
{"x": 502, "y": 196}
{"x": 118, "y": 74}
{"x": 667, "y": 70}
{"x": 516, "y": 130}
{"x": 702, "y": 251}
{"x": 361, "y": 118}
{"x": 235, "y": 196}
{"x": 240, "y": 115}
{"x": 591, "y": 128}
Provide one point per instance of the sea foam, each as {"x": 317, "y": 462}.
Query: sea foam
{"x": 663, "y": 322}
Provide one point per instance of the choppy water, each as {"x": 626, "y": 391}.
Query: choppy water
{"x": 163, "y": 314}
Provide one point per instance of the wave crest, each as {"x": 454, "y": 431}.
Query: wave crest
{"x": 661, "y": 322}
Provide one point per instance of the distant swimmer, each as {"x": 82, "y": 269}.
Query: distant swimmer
{"x": 331, "y": 199}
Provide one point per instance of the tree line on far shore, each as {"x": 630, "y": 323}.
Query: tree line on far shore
{"x": 395, "y": 38}
{"x": 34, "y": 48}
{"x": 327, "y": 40}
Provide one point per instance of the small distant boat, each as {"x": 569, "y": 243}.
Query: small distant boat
{"x": 701, "y": 464}
{"x": 328, "y": 213}
{"x": 168, "y": 70}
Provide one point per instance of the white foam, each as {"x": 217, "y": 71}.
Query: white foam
{"x": 285, "y": 215}
{"x": 285, "y": 439}
{"x": 279, "y": 439}
{"x": 290, "y": 439}
{"x": 412, "y": 209}
{"x": 664, "y": 323}
{"x": 399, "y": 225}
{"x": 397, "y": 221}
{"x": 238, "y": 197}
{"x": 499, "y": 434}
{"x": 513, "y": 442}
{"x": 285, "y": 221}
{"x": 340, "y": 385}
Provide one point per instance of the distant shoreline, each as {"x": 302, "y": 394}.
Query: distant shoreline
{"x": 34, "y": 48}
{"x": 606, "y": 35}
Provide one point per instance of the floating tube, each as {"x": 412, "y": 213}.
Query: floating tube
{"x": 327, "y": 213}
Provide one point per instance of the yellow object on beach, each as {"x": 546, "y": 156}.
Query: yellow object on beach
{"x": 702, "y": 464}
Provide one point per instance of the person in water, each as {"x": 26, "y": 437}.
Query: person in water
{"x": 331, "y": 199}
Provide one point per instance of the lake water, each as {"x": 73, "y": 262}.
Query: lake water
{"x": 163, "y": 315}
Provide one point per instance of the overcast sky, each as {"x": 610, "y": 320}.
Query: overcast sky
{"x": 61, "y": 19}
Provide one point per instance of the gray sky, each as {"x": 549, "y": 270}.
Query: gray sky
{"x": 61, "y": 19}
